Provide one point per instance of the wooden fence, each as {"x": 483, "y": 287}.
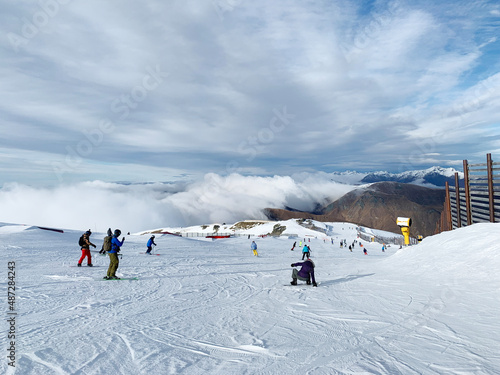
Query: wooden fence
{"x": 478, "y": 200}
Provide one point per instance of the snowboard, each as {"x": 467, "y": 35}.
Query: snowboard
{"x": 83, "y": 266}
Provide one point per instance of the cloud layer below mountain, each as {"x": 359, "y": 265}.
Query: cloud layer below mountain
{"x": 133, "y": 207}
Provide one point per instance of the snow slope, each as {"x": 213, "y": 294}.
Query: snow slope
{"x": 213, "y": 308}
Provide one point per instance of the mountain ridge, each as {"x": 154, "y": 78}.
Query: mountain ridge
{"x": 436, "y": 176}
{"x": 377, "y": 206}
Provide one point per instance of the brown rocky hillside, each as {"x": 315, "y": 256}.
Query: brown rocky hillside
{"x": 378, "y": 207}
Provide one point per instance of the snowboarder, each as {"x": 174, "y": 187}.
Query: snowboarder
{"x": 306, "y": 273}
{"x": 116, "y": 244}
{"x": 150, "y": 244}
{"x": 86, "y": 249}
{"x": 364, "y": 251}
{"x": 253, "y": 246}
{"x": 306, "y": 251}
{"x": 295, "y": 243}
{"x": 106, "y": 245}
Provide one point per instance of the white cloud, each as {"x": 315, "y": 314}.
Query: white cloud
{"x": 349, "y": 75}
{"x": 99, "y": 205}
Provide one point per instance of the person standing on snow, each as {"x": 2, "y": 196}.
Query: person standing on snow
{"x": 295, "y": 243}
{"x": 150, "y": 244}
{"x": 106, "y": 245}
{"x": 253, "y": 246}
{"x": 306, "y": 272}
{"x": 86, "y": 249}
{"x": 306, "y": 251}
{"x": 116, "y": 244}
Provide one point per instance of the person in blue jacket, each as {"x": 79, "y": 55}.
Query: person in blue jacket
{"x": 253, "y": 246}
{"x": 306, "y": 251}
{"x": 306, "y": 272}
{"x": 116, "y": 244}
{"x": 150, "y": 244}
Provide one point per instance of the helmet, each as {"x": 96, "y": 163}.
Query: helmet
{"x": 88, "y": 233}
{"x": 153, "y": 236}
{"x": 118, "y": 232}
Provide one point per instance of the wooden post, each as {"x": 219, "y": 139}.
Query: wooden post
{"x": 467, "y": 193}
{"x": 457, "y": 200}
{"x": 491, "y": 193}
{"x": 449, "y": 221}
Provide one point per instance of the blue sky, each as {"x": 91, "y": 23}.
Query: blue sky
{"x": 172, "y": 90}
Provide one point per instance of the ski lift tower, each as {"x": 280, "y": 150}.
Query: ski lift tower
{"x": 405, "y": 223}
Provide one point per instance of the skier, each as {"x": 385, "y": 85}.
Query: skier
{"x": 150, "y": 244}
{"x": 364, "y": 251}
{"x": 306, "y": 272}
{"x": 306, "y": 251}
{"x": 106, "y": 245}
{"x": 86, "y": 249}
{"x": 116, "y": 244}
{"x": 253, "y": 246}
{"x": 295, "y": 243}
{"x": 383, "y": 248}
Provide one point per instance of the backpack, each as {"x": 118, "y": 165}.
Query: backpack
{"x": 106, "y": 246}
{"x": 81, "y": 241}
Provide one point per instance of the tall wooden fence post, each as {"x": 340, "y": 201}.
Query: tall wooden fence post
{"x": 489, "y": 166}
{"x": 457, "y": 200}
{"x": 449, "y": 221}
{"x": 468, "y": 210}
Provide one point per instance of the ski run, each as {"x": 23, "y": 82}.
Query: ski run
{"x": 212, "y": 307}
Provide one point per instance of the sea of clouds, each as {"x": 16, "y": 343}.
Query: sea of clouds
{"x": 99, "y": 205}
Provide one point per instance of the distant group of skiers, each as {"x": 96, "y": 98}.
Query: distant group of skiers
{"x": 112, "y": 245}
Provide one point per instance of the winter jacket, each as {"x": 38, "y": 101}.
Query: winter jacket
{"x": 306, "y": 270}
{"x": 253, "y": 246}
{"x": 87, "y": 244}
{"x": 151, "y": 242}
{"x": 115, "y": 245}
{"x": 305, "y": 249}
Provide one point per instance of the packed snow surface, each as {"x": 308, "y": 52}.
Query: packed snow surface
{"x": 211, "y": 307}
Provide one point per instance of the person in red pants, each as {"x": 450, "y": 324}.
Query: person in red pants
{"x": 86, "y": 249}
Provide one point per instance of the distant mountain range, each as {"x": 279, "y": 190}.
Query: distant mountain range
{"x": 377, "y": 206}
{"x": 436, "y": 176}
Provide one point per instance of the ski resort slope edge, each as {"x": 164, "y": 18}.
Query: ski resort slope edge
{"x": 212, "y": 307}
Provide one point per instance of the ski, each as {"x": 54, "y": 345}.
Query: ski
{"x": 318, "y": 284}
{"x": 120, "y": 279}
{"x": 150, "y": 254}
{"x": 82, "y": 266}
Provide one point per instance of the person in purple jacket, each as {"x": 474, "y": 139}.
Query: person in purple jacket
{"x": 306, "y": 272}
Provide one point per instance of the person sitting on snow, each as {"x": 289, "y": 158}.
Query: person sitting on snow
{"x": 306, "y": 272}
